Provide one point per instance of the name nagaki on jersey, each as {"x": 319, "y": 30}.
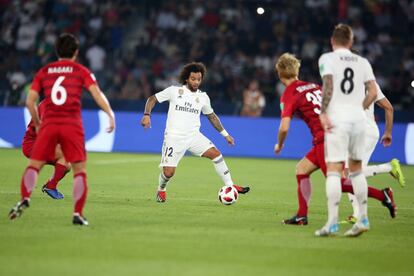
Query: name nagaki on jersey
{"x": 60, "y": 69}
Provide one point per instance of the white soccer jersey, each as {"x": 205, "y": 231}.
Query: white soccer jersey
{"x": 184, "y": 110}
{"x": 350, "y": 73}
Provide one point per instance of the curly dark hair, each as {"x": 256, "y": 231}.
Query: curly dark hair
{"x": 193, "y": 67}
{"x": 66, "y": 45}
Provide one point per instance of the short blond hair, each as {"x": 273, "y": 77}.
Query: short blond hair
{"x": 287, "y": 66}
{"x": 343, "y": 34}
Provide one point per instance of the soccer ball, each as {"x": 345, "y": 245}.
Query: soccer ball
{"x": 228, "y": 195}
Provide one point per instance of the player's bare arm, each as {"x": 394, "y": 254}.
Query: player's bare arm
{"x": 327, "y": 91}
{"x": 282, "y": 134}
{"x": 32, "y": 107}
{"x": 385, "y": 104}
{"x": 371, "y": 88}
{"x": 103, "y": 103}
{"x": 149, "y": 105}
{"x": 215, "y": 122}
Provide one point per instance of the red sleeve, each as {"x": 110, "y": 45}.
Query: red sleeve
{"x": 287, "y": 104}
{"x": 88, "y": 78}
{"x": 36, "y": 83}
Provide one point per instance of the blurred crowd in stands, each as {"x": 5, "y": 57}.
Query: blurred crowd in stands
{"x": 137, "y": 48}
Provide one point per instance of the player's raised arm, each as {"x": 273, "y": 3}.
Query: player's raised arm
{"x": 282, "y": 134}
{"x": 32, "y": 107}
{"x": 215, "y": 122}
{"x": 385, "y": 104}
{"x": 149, "y": 105}
{"x": 103, "y": 103}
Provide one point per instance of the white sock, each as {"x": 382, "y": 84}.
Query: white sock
{"x": 376, "y": 169}
{"x": 333, "y": 193}
{"x": 162, "y": 182}
{"x": 360, "y": 186}
{"x": 222, "y": 170}
{"x": 355, "y": 205}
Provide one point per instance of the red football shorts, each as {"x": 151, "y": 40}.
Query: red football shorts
{"x": 71, "y": 138}
{"x": 27, "y": 146}
{"x": 317, "y": 156}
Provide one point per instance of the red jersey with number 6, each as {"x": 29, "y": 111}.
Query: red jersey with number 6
{"x": 61, "y": 83}
{"x": 304, "y": 99}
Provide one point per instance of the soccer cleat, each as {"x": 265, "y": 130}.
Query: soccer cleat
{"x": 242, "y": 190}
{"x": 17, "y": 210}
{"x": 351, "y": 219}
{"x": 389, "y": 202}
{"x": 358, "y": 228}
{"x": 161, "y": 196}
{"x": 53, "y": 193}
{"x": 332, "y": 230}
{"x": 79, "y": 220}
{"x": 296, "y": 220}
{"x": 396, "y": 172}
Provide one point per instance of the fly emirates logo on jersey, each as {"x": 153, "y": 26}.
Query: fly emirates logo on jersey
{"x": 188, "y": 107}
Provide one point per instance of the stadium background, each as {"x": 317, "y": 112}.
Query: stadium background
{"x": 136, "y": 48}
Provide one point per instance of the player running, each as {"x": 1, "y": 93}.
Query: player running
{"x": 304, "y": 99}
{"x": 349, "y": 88}
{"x": 60, "y": 165}
{"x": 182, "y": 131}
{"x": 371, "y": 139}
{"x": 61, "y": 82}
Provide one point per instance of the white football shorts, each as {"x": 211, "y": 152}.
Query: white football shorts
{"x": 345, "y": 139}
{"x": 174, "y": 148}
{"x": 371, "y": 139}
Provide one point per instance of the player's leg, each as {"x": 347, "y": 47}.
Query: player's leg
{"x": 72, "y": 142}
{"x": 336, "y": 143}
{"x": 173, "y": 149}
{"x": 43, "y": 149}
{"x": 80, "y": 192}
{"x": 304, "y": 168}
{"x": 393, "y": 167}
{"x": 202, "y": 146}
{"x": 357, "y": 177}
{"x": 27, "y": 185}
{"x": 61, "y": 168}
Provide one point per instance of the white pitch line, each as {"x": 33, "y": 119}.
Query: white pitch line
{"x": 123, "y": 161}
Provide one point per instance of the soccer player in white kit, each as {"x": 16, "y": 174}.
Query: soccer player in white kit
{"x": 182, "y": 131}
{"x": 346, "y": 77}
{"x": 372, "y": 136}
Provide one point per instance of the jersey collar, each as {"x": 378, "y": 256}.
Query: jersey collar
{"x": 186, "y": 88}
{"x": 342, "y": 50}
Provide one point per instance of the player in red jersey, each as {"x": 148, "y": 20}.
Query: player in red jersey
{"x": 304, "y": 99}
{"x": 61, "y": 84}
{"x": 61, "y": 167}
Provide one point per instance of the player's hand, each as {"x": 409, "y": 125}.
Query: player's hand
{"x": 146, "y": 121}
{"x": 37, "y": 127}
{"x": 386, "y": 140}
{"x": 325, "y": 122}
{"x": 278, "y": 149}
{"x": 230, "y": 140}
{"x": 111, "y": 126}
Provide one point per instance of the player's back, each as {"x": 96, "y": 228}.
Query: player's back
{"x": 61, "y": 84}
{"x": 304, "y": 98}
{"x": 350, "y": 73}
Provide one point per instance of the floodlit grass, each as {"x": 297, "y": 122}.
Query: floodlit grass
{"x": 192, "y": 233}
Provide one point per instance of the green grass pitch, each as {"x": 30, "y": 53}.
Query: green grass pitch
{"x": 192, "y": 233}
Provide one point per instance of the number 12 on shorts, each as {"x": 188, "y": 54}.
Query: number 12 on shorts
{"x": 168, "y": 151}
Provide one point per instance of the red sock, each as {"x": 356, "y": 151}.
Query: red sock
{"x": 28, "y": 182}
{"x": 346, "y": 185}
{"x": 60, "y": 172}
{"x": 80, "y": 191}
{"x": 304, "y": 194}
